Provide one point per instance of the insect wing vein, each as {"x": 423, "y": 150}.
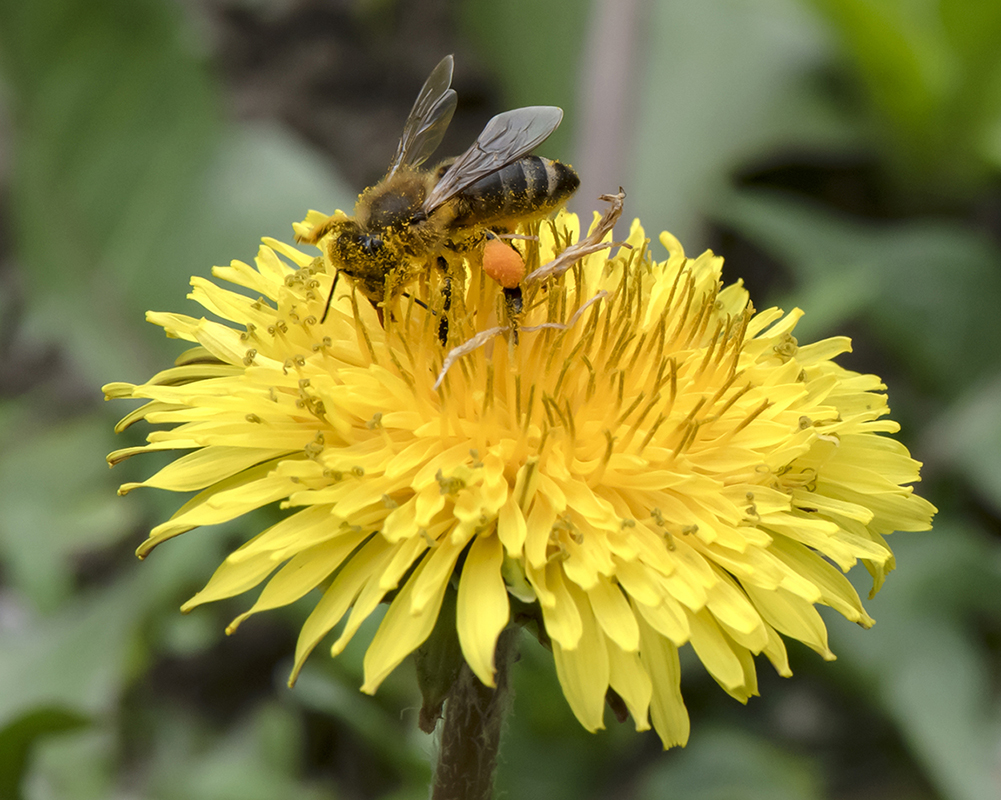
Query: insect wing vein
{"x": 506, "y": 138}
{"x": 428, "y": 120}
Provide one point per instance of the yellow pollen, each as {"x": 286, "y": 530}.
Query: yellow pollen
{"x": 449, "y": 486}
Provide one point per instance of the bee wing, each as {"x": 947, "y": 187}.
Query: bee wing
{"x": 506, "y": 138}
{"x": 428, "y": 118}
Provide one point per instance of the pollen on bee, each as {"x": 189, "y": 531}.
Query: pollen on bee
{"x": 503, "y": 263}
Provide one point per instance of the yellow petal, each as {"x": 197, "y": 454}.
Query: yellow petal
{"x": 564, "y": 619}
{"x": 667, "y": 708}
{"x": 302, "y": 574}
{"x": 337, "y": 599}
{"x": 584, "y": 671}
{"x": 483, "y": 608}
{"x": 402, "y": 630}
{"x": 792, "y": 616}
{"x": 631, "y": 681}
{"x": 614, "y": 614}
{"x": 715, "y": 651}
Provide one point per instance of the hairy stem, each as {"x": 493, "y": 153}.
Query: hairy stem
{"x": 470, "y": 738}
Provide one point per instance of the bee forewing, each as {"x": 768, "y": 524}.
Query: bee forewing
{"x": 506, "y": 138}
{"x": 428, "y": 119}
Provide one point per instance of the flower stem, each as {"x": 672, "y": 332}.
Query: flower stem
{"x": 470, "y": 738}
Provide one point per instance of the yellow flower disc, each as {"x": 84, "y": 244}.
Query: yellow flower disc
{"x": 638, "y": 456}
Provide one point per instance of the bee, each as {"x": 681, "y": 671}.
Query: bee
{"x": 404, "y": 226}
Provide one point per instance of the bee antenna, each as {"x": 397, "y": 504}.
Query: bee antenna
{"x": 330, "y": 297}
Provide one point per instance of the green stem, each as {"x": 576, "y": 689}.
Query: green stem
{"x": 470, "y": 737}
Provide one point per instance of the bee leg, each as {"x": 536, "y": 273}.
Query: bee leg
{"x": 447, "y": 304}
{"x": 330, "y": 297}
{"x": 417, "y": 300}
{"x": 443, "y": 322}
{"x": 514, "y": 305}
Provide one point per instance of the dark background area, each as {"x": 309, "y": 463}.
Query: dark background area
{"x": 844, "y": 156}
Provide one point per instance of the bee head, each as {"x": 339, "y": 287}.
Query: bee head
{"x": 365, "y": 257}
{"x": 369, "y": 244}
{"x": 352, "y": 244}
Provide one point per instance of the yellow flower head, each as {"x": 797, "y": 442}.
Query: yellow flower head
{"x": 637, "y": 458}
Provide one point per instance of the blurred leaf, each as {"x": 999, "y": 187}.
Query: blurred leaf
{"x": 81, "y": 659}
{"x": 721, "y": 82}
{"x": 395, "y": 739}
{"x": 75, "y": 660}
{"x": 724, "y": 764}
{"x": 81, "y": 655}
{"x": 80, "y": 765}
{"x": 260, "y": 180}
{"x": 59, "y": 500}
{"x": 967, "y": 438}
{"x": 123, "y": 184}
{"x": 542, "y": 68}
{"x": 924, "y": 662}
{"x": 545, "y": 752}
{"x": 113, "y": 121}
{"x": 933, "y": 74}
{"x": 929, "y": 290}
{"x": 258, "y": 759}
{"x": 17, "y": 738}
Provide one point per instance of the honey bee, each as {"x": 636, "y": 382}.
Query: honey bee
{"x": 404, "y": 226}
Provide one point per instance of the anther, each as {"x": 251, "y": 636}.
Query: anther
{"x": 449, "y": 485}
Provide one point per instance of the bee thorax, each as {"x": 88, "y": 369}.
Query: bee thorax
{"x": 392, "y": 204}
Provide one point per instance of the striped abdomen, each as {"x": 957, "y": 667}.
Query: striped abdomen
{"x": 530, "y": 187}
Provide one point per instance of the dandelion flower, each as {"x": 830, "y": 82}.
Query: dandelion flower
{"x": 638, "y": 460}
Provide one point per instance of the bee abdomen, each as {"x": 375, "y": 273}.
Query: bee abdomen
{"x": 530, "y": 187}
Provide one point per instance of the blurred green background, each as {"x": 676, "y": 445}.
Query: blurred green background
{"x": 843, "y": 155}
